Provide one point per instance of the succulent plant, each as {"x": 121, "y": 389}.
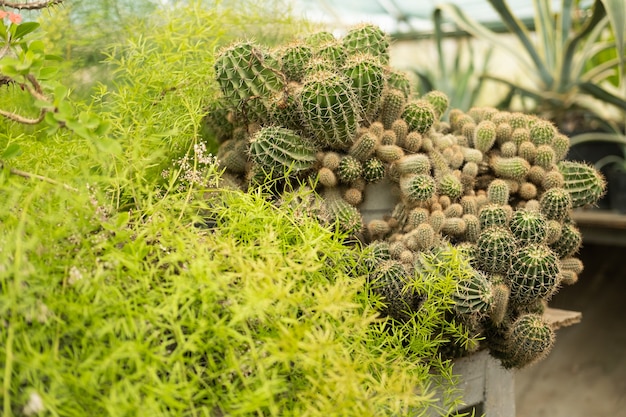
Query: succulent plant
{"x": 331, "y": 113}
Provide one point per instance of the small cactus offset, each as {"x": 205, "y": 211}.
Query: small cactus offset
{"x": 331, "y": 114}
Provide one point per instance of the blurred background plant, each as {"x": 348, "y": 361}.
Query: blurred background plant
{"x": 455, "y": 70}
{"x": 557, "y": 80}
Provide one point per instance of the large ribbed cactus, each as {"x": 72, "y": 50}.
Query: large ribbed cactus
{"x": 330, "y": 112}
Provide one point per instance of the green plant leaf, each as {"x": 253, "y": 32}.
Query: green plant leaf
{"x": 616, "y": 10}
{"x": 11, "y": 151}
{"x": 24, "y": 29}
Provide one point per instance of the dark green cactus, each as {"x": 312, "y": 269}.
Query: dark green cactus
{"x": 281, "y": 151}
{"x": 449, "y": 185}
{"x": 249, "y": 78}
{"x": 367, "y": 38}
{"x": 392, "y": 107}
{"x": 529, "y": 340}
{"x": 337, "y": 212}
{"x": 419, "y": 115}
{"x": 473, "y": 295}
{"x": 373, "y": 170}
{"x": 350, "y": 169}
{"x": 494, "y": 246}
{"x": 556, "y": 203}
{"x": 330, "y": 109}
{"x": 389, "y": 280}
{"x": 528, "y": 226}
{"x": 493, "y": 215}
{"x": 398, "y": 80}
{"x": 533, "y": 273}
{"x": 569, "y": 242}
{"x": 294, "y": 58}
{"x": 584, "y": 183}
{"x": 417, "y": 187}
{"x": 368, "y": 79}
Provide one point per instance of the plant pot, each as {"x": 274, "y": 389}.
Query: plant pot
{"x": 379, "y": 199}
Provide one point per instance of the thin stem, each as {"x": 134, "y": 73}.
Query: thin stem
{"x": 8, "y": 370}
{"x": 29, "y": 175}
{"x": 21, "y": 119}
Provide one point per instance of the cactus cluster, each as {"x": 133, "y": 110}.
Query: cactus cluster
{"x": 332, "y": 114}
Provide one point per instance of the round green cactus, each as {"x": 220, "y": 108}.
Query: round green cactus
{"x": 417, "y": 187}
{"x": 333, "y": 52}
{"x": 493, "y": 215}
{"x": 373, "y": 170}
{"x": 533, "y": 273}
{"x": 569, "y": 242}
{"x": 528, "y": 226}
{"x": 542, "y": 132}
{"x": 439, "y": 100}
{"x": 249, "y": 78}
{"x": 472, "y": 227}
{"x": 330, "y": 109}
{"x": 473, "y": 295}
{"x": 337, "y": 212}
{"x": 556, "y": 203}
{"x": 398, "y": 80}
{"x": 368, "y": 80}
{"x": 281, "y": 151}
{"x": 584, "y": 183}
{"x": 294, "y": 58}
{"x": 494, "y": 247}
{"x": 367, "y": 38}
{"x": 529, "y": 340}
{"x": 350, "y": 169}
{"x": 419, "y": 115}
{"x": 318, "y": 38}
{"x": 449, "y": 185}
{"x": 389, "y": 281}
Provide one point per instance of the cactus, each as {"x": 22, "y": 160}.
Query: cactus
{"x": 449, "y": 185}
{"x": 528, "y": 226}
{"x": 542, "y": 132}
{"x": 514, "y": 168}
{"x": 484, "y": 136}
{"x": 500, "y": 302}
{"x": 419, "y": 115}
{"x": 494, "y": 248}
{"x": 330, "y": 109}
{"x": 333, "y": 52}
{"x": 392, "y": 107}
{"x": 294, "y": 58}
{"x": 249, "y": 78}
{"x": 584, "y": 183}
{"x": 417, "y": 187}
{"x": 569, "y": 242}
{"x": 367, "y": 38}
{"x": 439, "y": 101}
{"x": 498, "y": 192}
{"x": 364, "y": 147}
{"x": 493, "y": 215}
{"x": 533, "y": 273}
{"x": 373, "y": 170}
{"x": 337, "y": 212}
{"x": 367, "y": 76}
{"x": 281, "y": 151}
{"x": 473, "y": 295}
{"x": 398, "y": 80}
{"x": 556, "y": 203}
{"x": 350, "y": 169}
{"x": 416, "y": 163}
{"x": 529, "y": 340}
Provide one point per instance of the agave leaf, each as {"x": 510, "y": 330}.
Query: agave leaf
{"x": 602, "y": 94}
{"x": 546, "y": 32}
{"x": 514, "y": 24}
{"x": 572, "y": 45}
{"x": 478, "y": 30}
{"x": 616, "y": 10}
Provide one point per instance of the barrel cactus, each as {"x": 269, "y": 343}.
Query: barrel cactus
{"x": 331, "y": 114}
